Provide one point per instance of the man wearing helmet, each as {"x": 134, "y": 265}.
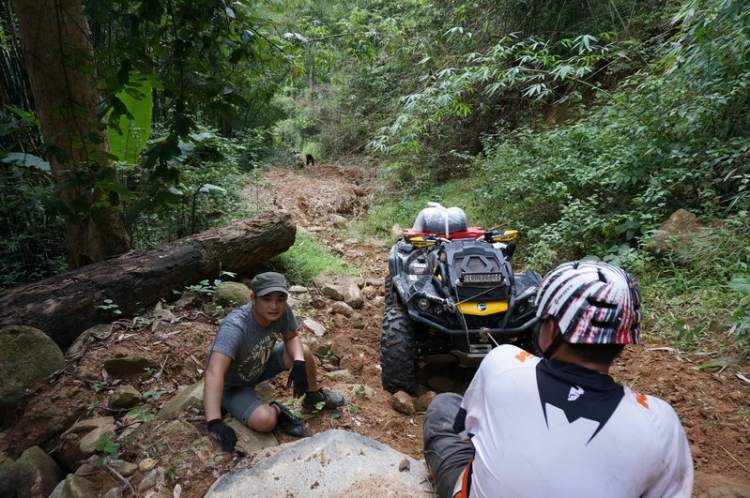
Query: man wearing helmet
{"x": 560, "y": 425}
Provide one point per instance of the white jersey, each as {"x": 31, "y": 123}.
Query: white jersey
{"x": 545, "y": 428}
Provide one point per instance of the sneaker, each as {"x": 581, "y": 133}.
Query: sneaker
{"x": 312, "y": 398}
{"x": 288, "y": 422}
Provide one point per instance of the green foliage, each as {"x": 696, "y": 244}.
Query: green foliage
{"x": 108, "y": 447}
{"x": 129, "y": 135}
{"x": 741, "y": 314}
{"x": 209, "y": 194}
{"x": 307, "y": 259}
{"x": 30, "y": 239}
{"x": 109, "y": 305}
{"x": 144, "y": 413}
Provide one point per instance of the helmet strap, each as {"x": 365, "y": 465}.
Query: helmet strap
{"x": 556, "y": 341}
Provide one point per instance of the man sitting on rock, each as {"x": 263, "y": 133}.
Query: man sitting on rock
{"x": 560, "y": 425}
{"x": 244, "y": 353}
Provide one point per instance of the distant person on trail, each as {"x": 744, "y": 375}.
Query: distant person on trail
{"x": 244, "y": 353}
{"x": 560, "y": 425}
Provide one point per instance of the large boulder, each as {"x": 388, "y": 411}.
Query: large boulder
{"x": 332, "y": 464}
{"x": 232, "y": 295}
{"x": 27, "y": 357}
{"x": 36, "y": 473}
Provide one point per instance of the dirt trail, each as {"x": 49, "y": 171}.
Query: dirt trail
{"x": 713, "y": 404}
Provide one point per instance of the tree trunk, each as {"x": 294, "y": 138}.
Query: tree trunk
{"x": 57, "y": 53}
{"x": 66, "y": 305}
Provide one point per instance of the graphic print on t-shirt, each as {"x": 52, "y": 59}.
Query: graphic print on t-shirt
{"x": 255, "y": 362}
{"x": 591, "y": 403}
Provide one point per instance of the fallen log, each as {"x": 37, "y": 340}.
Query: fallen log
{"x": 66, "y": 305}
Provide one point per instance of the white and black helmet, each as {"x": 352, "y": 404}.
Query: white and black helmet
{"x": 593, "y": 303}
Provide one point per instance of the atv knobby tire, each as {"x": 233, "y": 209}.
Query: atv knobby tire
{"x": 398, "y": 351}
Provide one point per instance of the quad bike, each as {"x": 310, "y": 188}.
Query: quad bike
{"x": 451, "y": 295}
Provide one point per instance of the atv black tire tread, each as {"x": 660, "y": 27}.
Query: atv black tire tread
{"x": 398, "y": 351}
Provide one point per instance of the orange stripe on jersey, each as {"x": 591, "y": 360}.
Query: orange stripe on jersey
{"x": 641, "y": 398}
{"x": 523, "y": 356}
{"x": 466, "y": 482}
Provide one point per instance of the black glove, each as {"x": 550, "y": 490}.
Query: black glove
{"x": 298, "y": 377}
{"x": 223, "y": 433}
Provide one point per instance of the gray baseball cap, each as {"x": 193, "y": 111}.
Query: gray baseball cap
{"x": 268, "y": 282}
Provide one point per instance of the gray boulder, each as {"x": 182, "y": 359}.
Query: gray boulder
{"x": 125, "y": 396}
{"x": 74, "y": 486}
{"x": 27, "y": 357}
{"x": 79, "y": 442}
{"x": 333, "y": 464}
{"x": 36, "y": 473}
{"x": 188, "y": 400}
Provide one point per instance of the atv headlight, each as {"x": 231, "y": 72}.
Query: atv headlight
{"x": 423, "y": 304}
{"x": 532, "y": 300}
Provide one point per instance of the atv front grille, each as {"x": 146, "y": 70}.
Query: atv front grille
{"x": 478, "y": 322}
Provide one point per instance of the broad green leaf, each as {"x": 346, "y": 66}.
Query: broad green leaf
{"x": 26, "y": 160}
{"x": 128, "y": 143}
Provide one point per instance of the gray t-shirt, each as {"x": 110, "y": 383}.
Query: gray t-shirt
{"x": 248, "y": 344}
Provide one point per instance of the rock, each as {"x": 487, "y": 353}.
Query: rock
{"x": 333, "y": 464}
{"x": 248, "y": 440}
{"x": 7, "y": 473}
{"x": 316, "y": 328}
{"x": 353, "y": 296}
{"x": 231, "y": 295}
{"x": 375, "y": 281}
{"x": 673, "y": 233}
{"x": 319, "y": 347}
{"x": 188, "y": 400}
{"x": 147, "y": 464}
{"x": 153, "y": 479}
{"x": 123, "y": 467}
{"x": 333, "y": 291}
{"x": 50, "y": 422}
{"x": 36, "y": 473}
{"x": 125, "y": 396}
{"x": 129, "y": 365}
{"x": 339, "y": 376}
{"x": 97, "y": 331}
{"x": 339, "y": 222}
{"x": 342, "y": 308}
{"x": 396, "y": 231}
{"x": 74, "y": 486}
{"x": 297, "y": 289}
{"x": 402, "y": 403}
{"x": 369, "y": 292}
{"x": 27, "y": 357}
{"x": 424, "y": 401}
{"x": 113, "y": 493}
{"x": 317, "y": 302}
{"x": 358, "y": 321}
{"x": 342, "y": 347}
{"x": 79, "y": 442}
